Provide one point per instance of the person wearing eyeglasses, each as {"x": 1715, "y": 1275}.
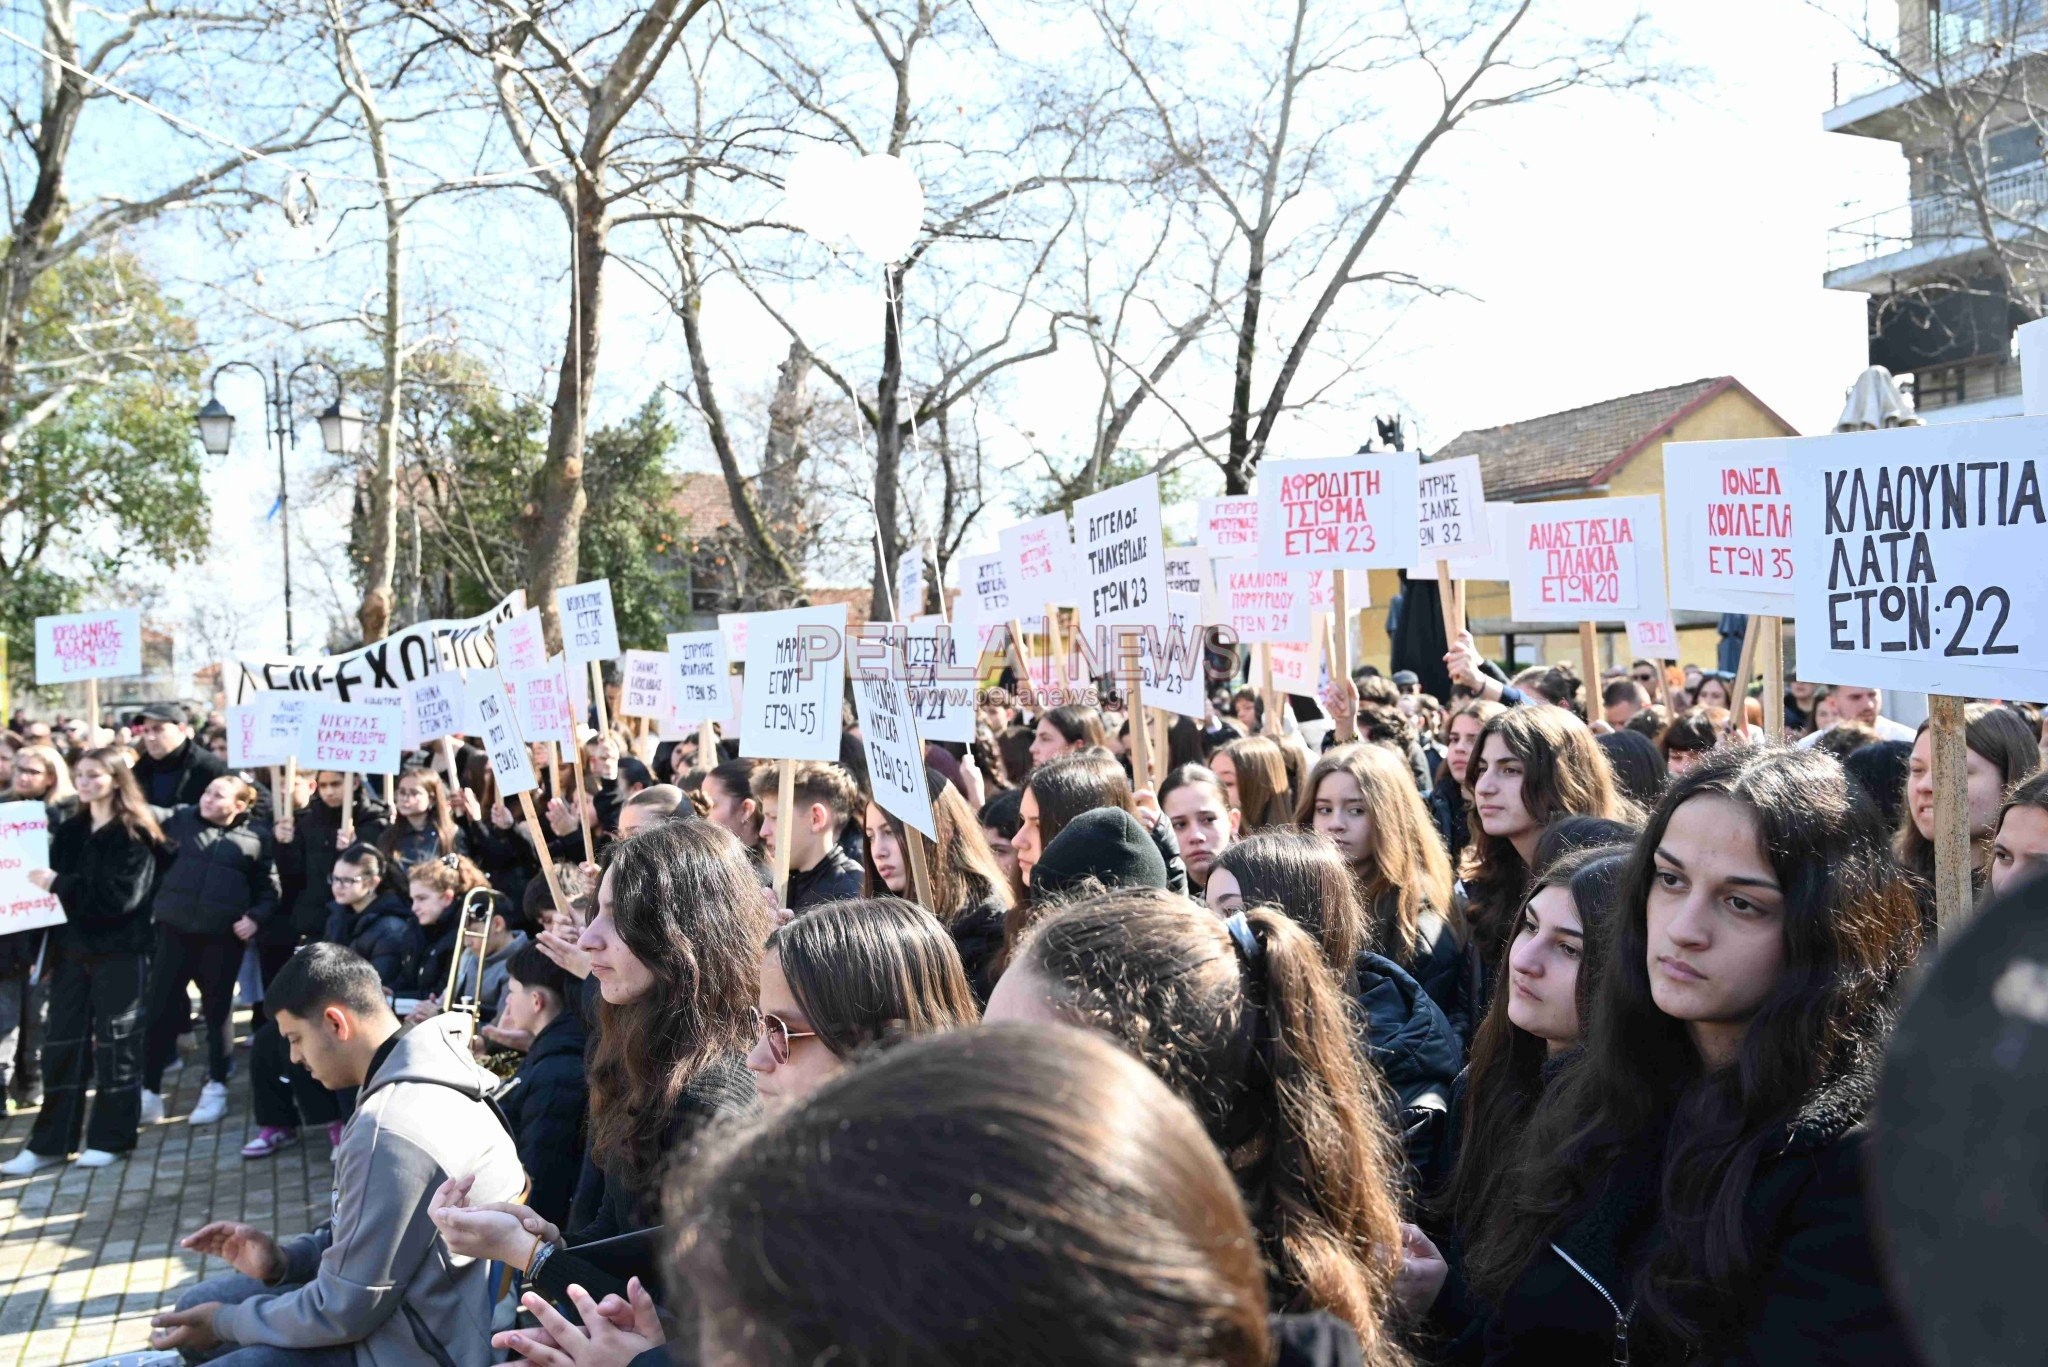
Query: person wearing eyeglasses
{"x": 847, "y": 977}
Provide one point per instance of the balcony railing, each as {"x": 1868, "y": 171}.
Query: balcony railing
{"x": 2016, "y": 199}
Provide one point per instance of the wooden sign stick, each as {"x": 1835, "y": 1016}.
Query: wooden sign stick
{"x": 1954, "y": 895}
{"x": 448, "y": 755}
{"x": 785, "y": 816}
{"x": 1021, "y": 660}
{"x": 920, "y": 871}
{"x": 279, "y": 795}
{"x": 1452, "y": 603}
{"x": 1267, "y": 696}
{"x": 1056, "y": 668}
{"x": 554, "y": 769}
{"x": 1339, "y": 655}
{"x": 1345, "y": 727}
{"x": 540, "y": 844}
{"x": 1738, "y": 720}
{"x": 92, "y": 713}
{"x": 1141, "y": 740}
{"x": 348, "y": 809}
{"x": 1589, "y": 663}
{"x": 582, "y": 817}
{"x": 291, "y": 788}
{"x": 1774, "y": 677}
{"x": 390, "y": 799}
{"x": 707, "y": 746}
{"x": 604, "y": 721}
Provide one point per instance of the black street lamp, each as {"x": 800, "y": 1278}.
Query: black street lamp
{"x": 341, "y": 432}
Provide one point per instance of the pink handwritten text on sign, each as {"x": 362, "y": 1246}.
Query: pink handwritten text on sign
{"x": 1745, "y": 524}
{"x": 1229, "y": 524}
{"x": 1327, "y": 513}
{"x": 1586, "y": 561}
{"x": 88, "y": 645}
{"x": 84, "y": 645}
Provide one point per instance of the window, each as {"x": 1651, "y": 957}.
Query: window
{"x": 1963, "y": 24}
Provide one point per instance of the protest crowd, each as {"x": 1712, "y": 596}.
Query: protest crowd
{"x": 1535, "y": 1020}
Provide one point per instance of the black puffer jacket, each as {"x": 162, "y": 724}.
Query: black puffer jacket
{"x": 546, "y": 1103}
{"x": 1815, "y": 1296}
{"x": 384, "y": 932}
{"x": 1417, "y": 1051}
{"x": 307, "y": 858}
{"x": 218, "y": 875}
{"x": 978, "y": 935}
{"x": 179, "y": 777}
{"x": 105, "y": 879}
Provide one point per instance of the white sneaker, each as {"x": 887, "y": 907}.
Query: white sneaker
{"x": 142, "y": 1359}
{"x": 26, "y": 1162}
{"x": 95, "y": 1158}
{"x": 213, "y": 1104}
{"x": 152, "y": 1107}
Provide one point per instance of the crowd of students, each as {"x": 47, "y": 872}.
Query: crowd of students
{"x": 1385, "y": 1030}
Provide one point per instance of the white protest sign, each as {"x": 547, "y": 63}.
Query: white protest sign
{"x": 984, "y": 590}
{"x": 1653, "y": 638}
{"x": 1228, "y": 526}
{"x": 888, "y": 731}
{"x": 1261, "y": 604}
{"x": 1730, "y": 519}
{"x": 1450, "y": 505}
{"x": 943, "y": 690}
{"x": 280, "y": 717}
{"x": 643, "y": 684}
{"x": 1297, "y": 667}
{"x": 1925, "y": 568}
{"x": 351, "y": 738}
{"x": 496, "y": 727}
{"x": 242, "y": 751}
{"x": 542, "y": 701}
{"x": 699, "y": 680}
{"x": 1353, "y": 512}
{"x": 522, "y": 643}
{"x": 795, "y": 681}
{"x": 25, "y": 845}
{"x": 1036, "y": 558}
{"x": 1122, "y": 556}
{"x": 1585, "y": 559}
{"x": 88, "y": 645}
{"x": 435, "y": 706}
{"x": 910, "y": 582}
{"x": 1191, "y": 569}
{"x": 1171, "y": 664}
{"x": 1492, "y": 566}
{"x": 1322, "y": 591}
{"x": 412, "y": 653}
{"x": 590, "y": 631}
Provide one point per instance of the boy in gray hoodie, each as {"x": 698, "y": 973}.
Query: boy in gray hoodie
{"x": 375, "y": 1286}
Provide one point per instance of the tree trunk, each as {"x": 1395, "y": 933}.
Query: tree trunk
{"x": 43, "y": 216}
{"x": 381, "y": 569}
{"x": 888, "y": 450}
{"x": 1239, "y": 464}
{"x": 558, "y": 498}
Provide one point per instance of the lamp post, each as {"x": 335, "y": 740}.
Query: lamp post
{"x": 341, "y": 431}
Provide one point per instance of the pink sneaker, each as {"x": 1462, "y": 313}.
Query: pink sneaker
{"x": 334, "y": 1134}
{"x": 269, "y": 1140}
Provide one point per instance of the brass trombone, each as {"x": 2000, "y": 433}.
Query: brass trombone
{"x": 480, "y": 931}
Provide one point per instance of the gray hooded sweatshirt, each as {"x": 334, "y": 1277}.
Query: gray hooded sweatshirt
{"x": 377, "y": 1275}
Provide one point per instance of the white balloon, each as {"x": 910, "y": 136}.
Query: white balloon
{"x": 815, "y": 189}
{"x": 884, "y": 210}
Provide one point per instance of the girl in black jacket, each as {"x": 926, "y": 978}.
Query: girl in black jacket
{"x": 426, "y": 825}
{"x": 1690, "y": 1191}
{"x": 970, "y": 895}
{"x": 221, "y": 882}
{"x": 103, "y": 869}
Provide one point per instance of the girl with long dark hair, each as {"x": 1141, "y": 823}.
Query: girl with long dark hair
{"x": 104, "y": 865}
{"x": 1202, "y": 819}
{"x": 1243, "y": 1019}
{"x": 1692, "y": 1190}
{"x": 1531, "y": 766}
{"x": 970, "y": 895}
{"x": 1066, "y": 730}
{"x": 1450, "y": 799}
{"x": 426, "y": 824}
{"x": 676, "y": 952}
{"x": 2000, "y": 751}
{"x": 1253, "y": 772}
{"x": 2019, "y": 848}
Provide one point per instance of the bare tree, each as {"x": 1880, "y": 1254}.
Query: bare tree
{"x": 1267, "y": 156}
{"x": 566, "y": 79}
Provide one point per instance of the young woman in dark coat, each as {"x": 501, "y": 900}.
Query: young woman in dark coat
{"x": 1691, "y": 1191}
{"x": 676, "y": 951}
{"x": 970, "y": 895}
{"x": 104, "y": 864}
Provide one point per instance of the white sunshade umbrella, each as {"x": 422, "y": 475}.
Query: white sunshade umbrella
{"x": 1874, "y": 402}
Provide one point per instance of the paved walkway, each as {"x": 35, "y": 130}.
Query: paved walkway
{"x": 86, "y": 1257}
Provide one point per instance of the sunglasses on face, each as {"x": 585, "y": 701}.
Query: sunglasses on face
{"x": 775, "y": 1030}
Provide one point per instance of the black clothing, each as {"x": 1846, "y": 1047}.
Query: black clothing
{"x": 833, "y": 879}
{"x": 625, "y": 1221}
{"x": 412, "y": 846}
{"x": 179, "y": 777}
{"x": 1438, "y": 963}
{"x": 283, "y": 1093}
{"x": 105, "y": 880}
{"x": 1169, "y": 853}
{"x": 218, "y": 875}
{"x": 1816, "y": 1295}
{"x": 1317, "y": 1339}
{"x": 94, "y": 1035}
{"x": 1448, "y": 810}
{"x": 384, "y": 932}
{"x": 308, "y": 857}
{"x": 978, "y": 935}
{"x": 1108, "y": 846}
{"x": 183, "y": 957}
{"x": 1416, "y": 1049}
{"x": 546, "y": 1103}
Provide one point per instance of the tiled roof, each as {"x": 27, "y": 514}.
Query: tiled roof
{"x": 702, "y": 505}
{"x": 1581, "y": 448}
